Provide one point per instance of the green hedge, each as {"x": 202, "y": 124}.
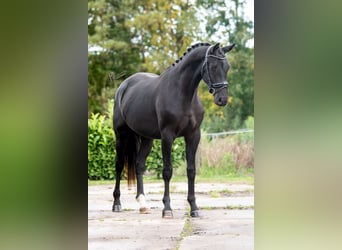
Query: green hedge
{"x": 101, "y": 151}
{"x": 154, "y": 161}
{"x": 101, "y": 145}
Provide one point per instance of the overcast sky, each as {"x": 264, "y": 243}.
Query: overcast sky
{"x": 249, "y": 11}
{"x": 250, "y": 15}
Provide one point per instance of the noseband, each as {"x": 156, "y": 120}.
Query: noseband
{"x": 213, "y": 87}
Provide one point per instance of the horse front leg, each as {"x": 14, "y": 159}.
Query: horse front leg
{"x": 167, "y": 141}
{"x": 192, "y": 142}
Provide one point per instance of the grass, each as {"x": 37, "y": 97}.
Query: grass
{"x": 233, "y": 179}
{"x": 214, "y": 194}
{"x": 238, "y": 207}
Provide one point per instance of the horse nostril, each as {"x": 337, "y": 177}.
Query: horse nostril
{"x": 221, "y": 101}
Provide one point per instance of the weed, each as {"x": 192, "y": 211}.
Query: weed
{"x": 239, "y": 207}
{"x": 187, "y": 231}
{"x": 215, "y": 194}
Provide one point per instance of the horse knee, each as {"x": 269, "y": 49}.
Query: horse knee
{"x": 191, "y": 172}
{"x": 167, "y": 173}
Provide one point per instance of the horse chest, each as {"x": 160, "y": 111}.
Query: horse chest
{"x": 189, "y": 122}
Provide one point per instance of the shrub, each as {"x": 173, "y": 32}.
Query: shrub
{"x": 101, "y": 144}
{"x": 154, "y": 161}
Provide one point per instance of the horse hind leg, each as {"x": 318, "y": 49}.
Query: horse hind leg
{"x": 145, "y": 149}
{"x": 119, "y": 165}
{"x": 167, "y": 140}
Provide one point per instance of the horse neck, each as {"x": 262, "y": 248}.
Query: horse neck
{"x": 188, "y": 73}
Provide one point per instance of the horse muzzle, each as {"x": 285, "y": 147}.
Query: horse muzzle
{"x": 221, "y": 97}
{"x": 221, "y": 101}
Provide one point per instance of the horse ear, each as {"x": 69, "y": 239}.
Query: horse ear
{"x": 216, "y": 46}
{"x": 228, "y": 48}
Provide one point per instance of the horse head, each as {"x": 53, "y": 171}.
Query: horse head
{"x": 214, "y": 72}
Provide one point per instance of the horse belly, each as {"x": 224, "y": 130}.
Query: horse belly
{"x": 145, "y": 128}
{"x": 143, "y": 122}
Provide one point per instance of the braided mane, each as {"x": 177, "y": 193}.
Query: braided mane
{"x": 190, "y": 49}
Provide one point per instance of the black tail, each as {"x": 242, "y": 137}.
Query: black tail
{"x": 130, "y": 155}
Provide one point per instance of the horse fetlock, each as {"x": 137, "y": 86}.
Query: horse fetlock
{"x": 144, "y": 209}
{"x": 141, "y": 200}
{"x": 193, "y": 205}
{"x": 194, "y": 213}
{"x": 166, "y": 200}
{"x": 192, "y": 200}
{"x": 116, "y": 194}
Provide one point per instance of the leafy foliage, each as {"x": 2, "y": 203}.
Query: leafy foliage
{"x": 101, "y": 152}
{"x": 154, "y": 161}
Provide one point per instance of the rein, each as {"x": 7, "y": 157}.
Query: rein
{"x": 213, "y": 87}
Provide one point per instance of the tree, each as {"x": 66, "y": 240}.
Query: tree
{"x": 115, "y": 56}
{"x": 132, "y": 36}
{"x": 225, "y": 22}
{"x": 162, "y": 29}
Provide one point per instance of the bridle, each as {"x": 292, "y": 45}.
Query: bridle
{"x": 213, "y": 87}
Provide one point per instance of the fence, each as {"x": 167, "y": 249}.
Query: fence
{"x": 222, "y": 134}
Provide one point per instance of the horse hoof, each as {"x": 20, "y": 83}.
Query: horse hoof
{"x": 194, "y": 213}
{"x": 116, "y": 208}
{"x": 144, "y": 210}
{"x": 167, "y": 214}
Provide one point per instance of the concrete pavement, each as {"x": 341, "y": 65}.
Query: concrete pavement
{"x": 226, "y": 222}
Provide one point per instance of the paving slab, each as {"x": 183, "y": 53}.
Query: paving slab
{"x": 221, "y": 229}
{"x": 131, "y": 230}
{"x": 220, "y": 226}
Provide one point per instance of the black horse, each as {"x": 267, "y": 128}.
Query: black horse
{"x": 166, "y": 106}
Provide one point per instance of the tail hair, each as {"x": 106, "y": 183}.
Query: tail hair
{"x": 130, "y": 153}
